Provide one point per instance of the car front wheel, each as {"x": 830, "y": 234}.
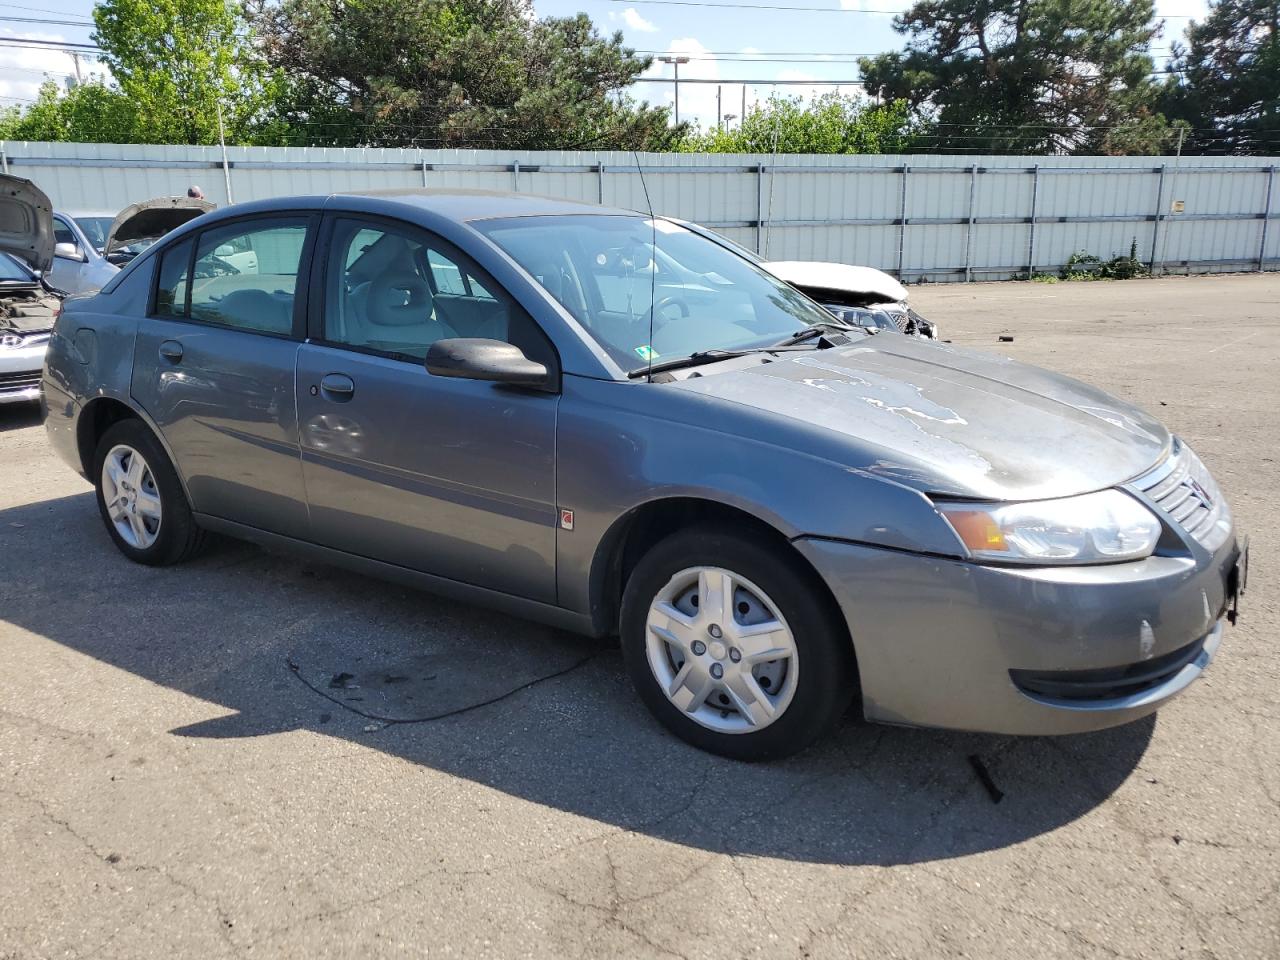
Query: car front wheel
{"x": 735, "y": 646}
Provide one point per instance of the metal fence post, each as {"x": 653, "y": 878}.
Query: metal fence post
{"x": 600, "y": 178}
{"x": 1266, "y": 218}
{"x": 1155, "y": 230}
{"x": 1035, "y": 211}
{"x": 423, "y": 158}
{"x": 515, "y": 176}
{"x": 759, "y": 206}
{"x": 968, "y": 231}
{"x": 902, "y": 221}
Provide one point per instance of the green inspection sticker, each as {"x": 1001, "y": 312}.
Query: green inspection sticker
{"x": 646, "y": 352}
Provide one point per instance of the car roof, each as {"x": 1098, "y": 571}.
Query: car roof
{"x": 463, "y": 205}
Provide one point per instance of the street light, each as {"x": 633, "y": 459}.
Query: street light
{"x": 675, "y": 63}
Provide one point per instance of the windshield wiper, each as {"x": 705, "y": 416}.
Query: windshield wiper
{"x": 709, "y": 356}
{"x": 815, "y": 330}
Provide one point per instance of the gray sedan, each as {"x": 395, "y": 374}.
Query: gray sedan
{"x": 612, "y": 424}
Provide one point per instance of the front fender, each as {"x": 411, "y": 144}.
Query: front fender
{"x": 614, "y": 459}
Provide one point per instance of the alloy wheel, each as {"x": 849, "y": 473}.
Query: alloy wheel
{"x": 721, "y": 651}
{"x": 131, "y": 497}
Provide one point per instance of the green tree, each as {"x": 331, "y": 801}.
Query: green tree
{"x": 178, "y": 61}
{"x": 89, "y": 113}
{"x": 1035, "y": 76}
{"x": 829, "y": 124}
{"x": 457, "y": 73}
{"x": 1227, "y": 79}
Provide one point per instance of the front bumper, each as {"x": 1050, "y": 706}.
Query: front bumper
{"x": 940, "y": 642}
{"x": 20, "y": 372}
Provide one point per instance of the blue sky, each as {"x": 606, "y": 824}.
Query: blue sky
{"x": 726, "y": 45}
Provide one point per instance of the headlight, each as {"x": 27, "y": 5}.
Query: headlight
{"x": 1102, "y": 527}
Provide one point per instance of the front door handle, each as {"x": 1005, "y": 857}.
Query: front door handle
{"x": 337, "y": 386}
{"x": 171, "y": 350}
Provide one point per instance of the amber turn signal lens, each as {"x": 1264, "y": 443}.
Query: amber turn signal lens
{"x": 977, "y": 530}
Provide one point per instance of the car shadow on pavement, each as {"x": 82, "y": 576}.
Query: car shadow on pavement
{"x": 536, "y": 713}
{"x": 19, "y": 416}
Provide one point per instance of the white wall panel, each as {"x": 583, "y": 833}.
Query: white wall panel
{"x": 815, "y": 207}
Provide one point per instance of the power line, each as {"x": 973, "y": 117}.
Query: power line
{"x": 43, "y": 20}
{"x": 18, "y": 6}
{"x": 47, "y": 44}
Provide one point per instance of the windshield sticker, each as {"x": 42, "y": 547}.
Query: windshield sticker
{"x": 646, "y": 352}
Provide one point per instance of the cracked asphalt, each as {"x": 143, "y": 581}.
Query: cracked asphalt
{"x": 182, "y": 776}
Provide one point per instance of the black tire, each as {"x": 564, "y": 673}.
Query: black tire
{"x": 178, "y": 537}
{"x": 827, "y": 677}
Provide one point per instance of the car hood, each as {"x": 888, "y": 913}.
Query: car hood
{"x": 152, "y": 219}
{"x": 876, "y": 285}
{"x": 26, "y": 222}
{"x": 950, "y": 421}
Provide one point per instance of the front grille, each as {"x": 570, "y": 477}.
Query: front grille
{"x": 1108, "y": 683}
{"x": 17, "y": 381}
{"x": 1184, "y": 489}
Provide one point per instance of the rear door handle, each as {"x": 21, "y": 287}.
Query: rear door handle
{"x": 171, "y": 350}
{"x": 337, "y": 386}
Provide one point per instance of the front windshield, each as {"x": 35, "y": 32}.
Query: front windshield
{"x": 95, "y": 230}
{"x": 605, "y": 272}
{"x": 11, "y": 270}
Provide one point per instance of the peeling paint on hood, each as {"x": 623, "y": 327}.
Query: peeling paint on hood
{"x": 26, "y": 222}
{"x": 951, "y": 421}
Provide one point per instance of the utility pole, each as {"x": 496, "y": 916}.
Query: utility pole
{"x": 675, "y": 64}
{"x": 719, "y": 118}
{"x": 222, "y": 140}
{"x": 75, "y": 58}
{"x": 743, "y": 114}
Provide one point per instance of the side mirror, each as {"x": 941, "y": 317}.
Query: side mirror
{"x": 69, "y": 251}
{"x": 493, "y": 360}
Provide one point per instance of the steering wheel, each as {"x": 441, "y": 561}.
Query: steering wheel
{"x": 671, "y": 300}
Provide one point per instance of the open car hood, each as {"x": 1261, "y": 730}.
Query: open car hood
{"x": 152, "y": 219}
{"x": 875, "y": 286}
{"x": 26, "y": 222}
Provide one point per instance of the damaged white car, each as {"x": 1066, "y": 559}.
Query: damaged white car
{"x": 860, "y": 296}
{"x": 28, "y": 306}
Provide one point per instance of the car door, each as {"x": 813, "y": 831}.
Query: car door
{"x": 214, "y": 365}
{"x": 447, "y": 476}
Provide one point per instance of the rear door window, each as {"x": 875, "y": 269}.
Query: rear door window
{"x": 246, "y": 274}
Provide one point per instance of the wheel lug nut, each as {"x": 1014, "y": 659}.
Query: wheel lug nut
{"x": 717, "y": 671}
{"x": 715, "y": 631}
{"x": 699, "y": 648}
{"x": 735, "y": 654}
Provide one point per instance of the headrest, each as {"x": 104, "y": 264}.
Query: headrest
{"x": 398, "y": 298}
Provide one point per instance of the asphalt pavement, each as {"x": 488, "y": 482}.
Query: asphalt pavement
{"x": 238, "y": 756}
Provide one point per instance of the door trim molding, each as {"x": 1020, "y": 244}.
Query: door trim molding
{"x": 546, "y": 613}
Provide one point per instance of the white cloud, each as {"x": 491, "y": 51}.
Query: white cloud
{"x": 631, "y": 17}
{"x": 886, "y": 8}
{"x": 24, "y": 69}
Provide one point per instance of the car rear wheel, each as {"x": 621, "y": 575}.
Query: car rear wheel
{"x": 734, "y": 645}
{"x": 140, "y": 498}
